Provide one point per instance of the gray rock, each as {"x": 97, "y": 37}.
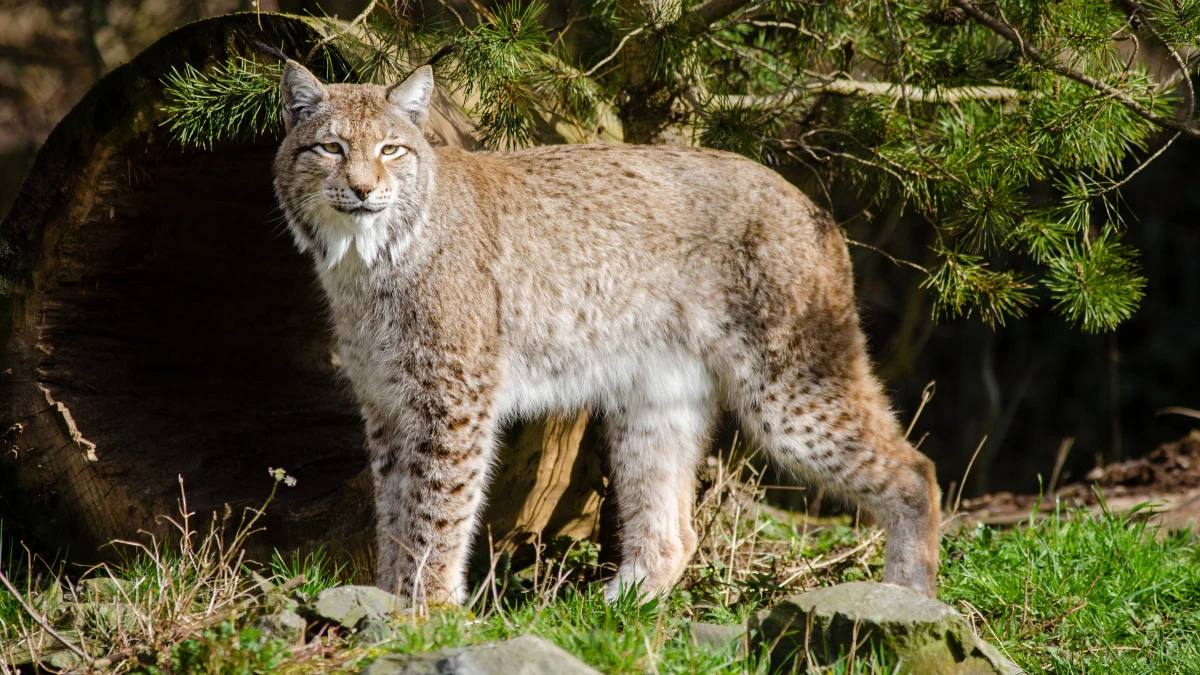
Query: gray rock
{"x": 715, "y": 635}
{"x": 526, "y": 655}
{"x": 374, "y": 631}
{"x": 63, "y": 659}
{"x": 104, "y": 589}
{"x": 41, "y": 648}
{"x": 284, "y": 624}
{"x": 109, "y": 617}
{"x": 347, "y": 606}
{"x": 927, "y": 636}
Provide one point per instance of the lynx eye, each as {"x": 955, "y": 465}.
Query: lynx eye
{"x": 392, "y": 150}
{"x": 331, "y": 148}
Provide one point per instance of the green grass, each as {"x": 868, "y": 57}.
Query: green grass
{"x": 318, "y": 570}
{"x": 1075, "y": 592}
{"x": 226, "y": 650}
{"x": 1078, "y": 593}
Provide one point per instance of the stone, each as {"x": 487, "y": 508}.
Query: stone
{"x": 284, "y": 624}
{"x": 63, "y": 660}
{"x": 104, "y": 589}
{"x": 41, "y": 647}
{"x": 526, "y": 655}
{"x": 374, "y": 631}
{"x": 110, "y": 617}
{"x": 714, "y": 635}
{"x": 347, "y": 606}
{"x": 927, "y": 636}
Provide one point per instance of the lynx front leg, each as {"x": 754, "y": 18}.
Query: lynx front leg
{"x": 429, "y": 482}
{"x": 655, "y": 450}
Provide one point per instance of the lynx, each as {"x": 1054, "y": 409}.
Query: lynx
{"x": 653, "y": 285}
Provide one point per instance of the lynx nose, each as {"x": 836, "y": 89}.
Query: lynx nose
{"x": 361, "y": 191}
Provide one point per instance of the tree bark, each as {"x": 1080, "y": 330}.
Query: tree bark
{"x": 160, "y": 327}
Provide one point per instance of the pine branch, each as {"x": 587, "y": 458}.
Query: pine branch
{"x": 237, "y": 99}
{"x": 1033, "y": 54}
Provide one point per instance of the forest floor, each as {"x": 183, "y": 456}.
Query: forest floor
{"x": 1070, "y": 585}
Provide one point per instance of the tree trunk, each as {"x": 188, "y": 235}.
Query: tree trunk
{"x": 159, "y": 327}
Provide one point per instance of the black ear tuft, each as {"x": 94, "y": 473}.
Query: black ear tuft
{"x": 264, "y": 48}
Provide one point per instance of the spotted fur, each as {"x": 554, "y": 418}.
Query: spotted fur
{"x": 652, "y": 284}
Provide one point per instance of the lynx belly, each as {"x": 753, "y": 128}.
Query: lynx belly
{"x": 608, "y": 380}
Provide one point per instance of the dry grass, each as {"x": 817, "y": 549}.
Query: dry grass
{"x": 749, "y": 551}
{"x": 113, "y": 616}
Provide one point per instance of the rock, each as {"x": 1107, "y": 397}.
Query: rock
{"x": 927, "y": 636}
{"x": 526, "y": 655}
{"x": 284, "y": 624}
{"x": 715, "y": 635}
{"x": 41, "y": 648}
{"x": 52, "y": 604}
{"x": 104, "y": 589}
{"x": 63, "y": 659}
{"x": 346, "y": 606}
{"x": 109, "y": 617}
{"x": 373, "y": 631}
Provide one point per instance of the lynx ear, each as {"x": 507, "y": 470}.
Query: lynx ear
{"x": 302, "y": 93}
{"x": 411, "y": 96}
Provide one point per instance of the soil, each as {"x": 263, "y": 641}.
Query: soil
{"x": 1168, "y": 479}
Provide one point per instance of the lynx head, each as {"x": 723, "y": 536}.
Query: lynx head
{"x": 355, "y": 167}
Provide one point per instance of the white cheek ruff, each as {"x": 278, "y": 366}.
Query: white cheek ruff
{"x": 370, "y": 238}
{"x": 336, "y": 248}
{"x": 369, "y": 235}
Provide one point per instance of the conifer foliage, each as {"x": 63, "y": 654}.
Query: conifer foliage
{"x": 1008, "y": 126}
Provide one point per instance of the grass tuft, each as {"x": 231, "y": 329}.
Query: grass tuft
{"x": 318, "y": 571}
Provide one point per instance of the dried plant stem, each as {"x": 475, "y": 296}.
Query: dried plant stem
{"x": 926, "y": 396}
{"x": 958, "y": 497}
{"x": 1063, "y": 449}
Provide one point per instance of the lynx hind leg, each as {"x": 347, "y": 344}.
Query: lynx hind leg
{"x": 837, "y": 431}
{"x": 654, "y": 457}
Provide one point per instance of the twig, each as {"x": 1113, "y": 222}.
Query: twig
{"x": 1189, "y": 95}
{"x": 330, "y": 38}
{"x": 614, "y": 53}
{"x": 813, "y": 566}
{"x": 1140, "y": 166}
{"x": 697, "y": 19}
{"x": 895, "y": 260}
{"x": 448, "y": 6}
{"x": 912, "y": 127}
{"x": 958, "y": 497}
{"x": 1175, "y": 410}
{"x": 1063, "y": 449}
